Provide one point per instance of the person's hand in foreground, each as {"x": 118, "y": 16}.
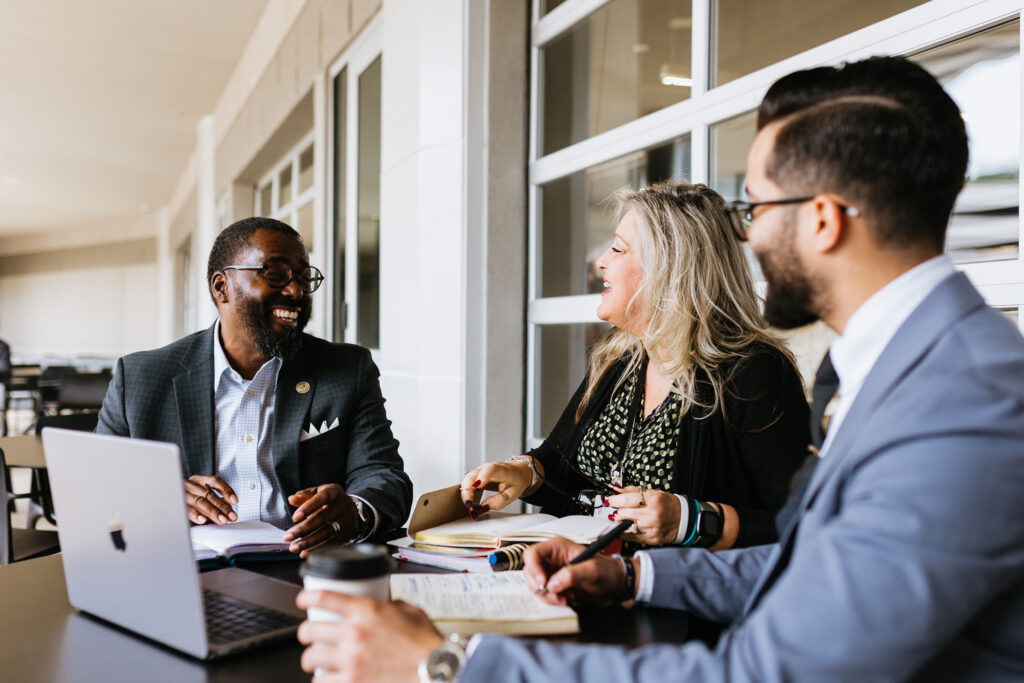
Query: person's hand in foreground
{"x": 599, "y": 579}
{"x": 209, "y": 498}
{"x": 319, "y": 508}
{"x": 374, "y": 641}
{"x": 655, "y": 514}
{"x": 510, "y": 479}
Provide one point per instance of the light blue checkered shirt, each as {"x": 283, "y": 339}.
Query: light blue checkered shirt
{"x": 244, "y": 425}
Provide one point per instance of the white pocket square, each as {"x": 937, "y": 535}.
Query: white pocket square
{"x": 311, "y": 431}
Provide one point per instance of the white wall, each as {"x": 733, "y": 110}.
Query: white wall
{"x": 422, "y": 235}
{"x": 90, "y": 311}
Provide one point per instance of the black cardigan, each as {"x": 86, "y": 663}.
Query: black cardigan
{"x": 743, "y": 455}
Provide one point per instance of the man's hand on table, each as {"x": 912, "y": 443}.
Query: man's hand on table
{"x": 209, "y": 498}
{"x": 597, "y": 580}
{"x": 325, "y": 514}
{"x": 375, "y": 641}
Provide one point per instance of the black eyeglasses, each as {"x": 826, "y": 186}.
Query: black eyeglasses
{"x": 279, "y": 275}
{"x": 741, "y": 214}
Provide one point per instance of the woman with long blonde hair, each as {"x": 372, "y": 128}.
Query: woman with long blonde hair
{"x": 692, "y": 417}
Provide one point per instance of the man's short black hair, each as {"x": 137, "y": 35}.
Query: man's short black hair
{"x": 881, "y": 133}
{"x": 238, "y": 236}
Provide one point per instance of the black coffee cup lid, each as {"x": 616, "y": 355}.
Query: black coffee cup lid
{"x": 359, "y": 561}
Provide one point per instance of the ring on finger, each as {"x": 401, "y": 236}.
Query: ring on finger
{"x": 336, "y": 527}
{"x": 506, "y": 497}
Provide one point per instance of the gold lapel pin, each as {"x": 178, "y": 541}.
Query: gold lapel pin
{"x": 302, "y": 387}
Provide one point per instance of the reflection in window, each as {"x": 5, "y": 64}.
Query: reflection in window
{"x": 368, "y": 210}
{"x": 626, "y": 60}
{"x": 548, "y": 5}
{"x": 306, "y": 169}
{"x": 577, "y": 217}
{"x": 340, "y": 156}
{"x": 284, "y": 186}
{"x": 751, "y": 35}
{"x": 561, "y": 366}
{"x": 265, "y": 198}
{"x": 982, "y": 74}
{"x": 730, "y": 142}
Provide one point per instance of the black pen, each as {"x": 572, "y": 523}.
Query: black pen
{"x": 597, "y": 546}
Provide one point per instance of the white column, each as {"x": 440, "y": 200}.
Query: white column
{"x": 165, "y": 279}
{"x": 206, "y": 218}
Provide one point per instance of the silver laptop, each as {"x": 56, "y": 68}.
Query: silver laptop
{"x": 127, "y": 554}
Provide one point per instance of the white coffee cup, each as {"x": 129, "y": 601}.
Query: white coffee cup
{"x": 361, "y": 569}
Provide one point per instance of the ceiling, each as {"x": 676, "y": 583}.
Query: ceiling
{"x": 99, "y": 102}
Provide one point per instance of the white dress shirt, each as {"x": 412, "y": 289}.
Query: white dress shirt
{"x": 872, "y": 327}
{"x": 867, "y": 333}
{"x": 244, "y": 433}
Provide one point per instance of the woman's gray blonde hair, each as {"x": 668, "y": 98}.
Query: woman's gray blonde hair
{"x": 696, "y": 300}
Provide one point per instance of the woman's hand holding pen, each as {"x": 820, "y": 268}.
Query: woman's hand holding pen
{"x": 550, "y": 576}
{"x": 655, "y": 513}
{"x": 509, "y": 479}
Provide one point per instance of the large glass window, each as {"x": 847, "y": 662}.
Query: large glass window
{"x": 982, "y": 74}
{"x": 340, "y": 162}
{"x": 368, "y": 327}
{"x": 278, "y": 197}
{"x": 627, "y": 59}
{"x": 591, "y": 79}
{"x": 751, "y": 35}
{"x": 578, "y": 216}
{"x": 562, "y": 354}
{"x": 354, "y": 204}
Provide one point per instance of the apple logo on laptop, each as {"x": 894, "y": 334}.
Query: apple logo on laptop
{"x": 116, "y": 532}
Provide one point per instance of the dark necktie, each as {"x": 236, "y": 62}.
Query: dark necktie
{"x": 826, "y": 383}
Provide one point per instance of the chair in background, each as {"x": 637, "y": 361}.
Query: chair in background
{"x": 40, "y": 500}
{"x": 82, "y": 391}
{"x": 49, "y": 386}
{"x": 20, "y": 544}
{"x": 23, "y": 386}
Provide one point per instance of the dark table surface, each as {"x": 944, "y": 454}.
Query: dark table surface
{"x": 44, "y": 639}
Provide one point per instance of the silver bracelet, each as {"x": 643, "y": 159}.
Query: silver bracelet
{"x": 533, "y": 468}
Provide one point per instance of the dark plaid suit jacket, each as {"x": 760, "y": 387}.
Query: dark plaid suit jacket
{"x": 167, "y": 395}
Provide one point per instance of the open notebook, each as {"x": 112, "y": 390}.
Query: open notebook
{"x": 226, "y": 542}
{"x": 495, "y": 529}
{"x": 439, "y": 519}
{"x": 483, "y": 603}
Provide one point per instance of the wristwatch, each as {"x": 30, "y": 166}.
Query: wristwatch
{"x": 444, "y": 664}
{"x": 367, "y": 520}
{"x": 707, "y": 528}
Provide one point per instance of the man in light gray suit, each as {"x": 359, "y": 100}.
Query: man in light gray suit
{"x": 273, "y": 424}
{"x": 905, "y": 559}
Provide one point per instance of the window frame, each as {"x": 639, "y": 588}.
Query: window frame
{"x": 367, "y": 47}
{"x": 906, "y": 33}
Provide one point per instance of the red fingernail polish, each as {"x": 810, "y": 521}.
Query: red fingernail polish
{"x": 476, "y": 484}
{"x": 485, "y": 508}
{"x": 611, "y": 517}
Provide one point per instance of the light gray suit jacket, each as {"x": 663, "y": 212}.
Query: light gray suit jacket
{"x": 167, "y": 395}
{"x": 906, "y": 560}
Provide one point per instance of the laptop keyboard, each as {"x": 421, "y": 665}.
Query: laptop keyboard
{"x": 229, "y": 619}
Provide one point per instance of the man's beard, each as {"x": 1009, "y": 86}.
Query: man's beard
{"x": 257, "y": 321}
{"x": 788, "y": 299}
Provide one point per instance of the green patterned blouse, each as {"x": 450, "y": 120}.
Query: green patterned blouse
{"x": 651, "y": 455}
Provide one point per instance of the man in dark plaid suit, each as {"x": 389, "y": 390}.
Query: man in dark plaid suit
{"x": 273, "y": 424}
